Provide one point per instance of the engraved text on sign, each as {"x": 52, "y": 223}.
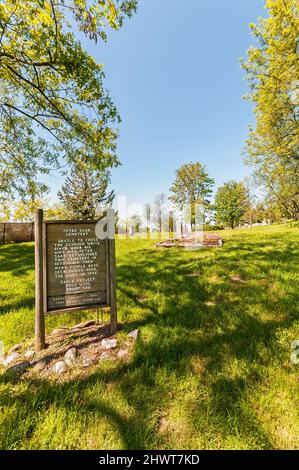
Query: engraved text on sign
{"x": 77, "y": 266}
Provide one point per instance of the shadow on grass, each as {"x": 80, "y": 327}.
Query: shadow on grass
{"x": 17, "y": 259}
{"x": 182, "y": 328}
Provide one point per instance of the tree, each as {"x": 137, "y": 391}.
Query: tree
{"x": 272, "y": 70}
{"x": 192, "y": 187}
{"x": 56, "y": 212}
{"x": 84, "y": 191}
{"x": 5, "y": 211}
{"x": 231, "y": 203}
{"x": 51, "y": 88}
{"x": 147, "y": 217}
{"x": 23, "y": 210}
{"x": 134, "y": 223}
{"x": 281, "y": 182}
{"x": 159, "y": 212}
{"x": 22, "y": 160}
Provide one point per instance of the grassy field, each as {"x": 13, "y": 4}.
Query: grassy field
{"x": 211, "y": 369}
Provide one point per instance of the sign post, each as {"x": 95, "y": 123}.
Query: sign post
{"x": 39, "y": 313}
{"x": 75, "y": 268}
{"x": 112, "y": 274}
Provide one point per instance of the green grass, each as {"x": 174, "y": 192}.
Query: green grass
{"x": 211, "y": 369}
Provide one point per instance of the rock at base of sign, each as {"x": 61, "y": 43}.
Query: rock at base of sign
{"x": 18, "y": 368}
{"x": 15, "y": 348}
{"x": 105, "y": 356}
{"x": 133, "y": 334}
{"x": 70, "y": 357}
{"x": 11, "y": 358}
{"x": 86, "y": 324}
{"x": 60, "y": 367}
{"x": 39, "y": 366}
{"x": 59, "y": 331}
{"x": 89, "y": 361}
{"x": 107, "y": 343}
{"x": 29, "y": 354}
{"x": 123, "y": 354}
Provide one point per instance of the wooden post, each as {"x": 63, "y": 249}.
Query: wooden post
{"x": 39, "y": 313}
{"x": 112, "y": 273}
{"x": 4, "y": 233}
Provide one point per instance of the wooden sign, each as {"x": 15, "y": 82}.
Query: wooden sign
{"x": 75, "y": 268}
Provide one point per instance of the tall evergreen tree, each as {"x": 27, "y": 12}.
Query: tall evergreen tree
{"x": 85, "y": 191}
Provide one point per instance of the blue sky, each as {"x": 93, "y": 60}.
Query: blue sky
{"x": 173, "y": 71}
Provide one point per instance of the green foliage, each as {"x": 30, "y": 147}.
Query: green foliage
{"x": 52, "y": 95}
{"x": 212, "y": 228}
{"x": 56, "y": 212}
{"x": 23, "y": 158}
{"x": 272, "y": 70}
{"x": 192, "y": 186}
{"x": 231, "y": 203}
{"x": 282, "y": 181}
{"x": 23, "y": 211}
{"x": 85, "y": 191}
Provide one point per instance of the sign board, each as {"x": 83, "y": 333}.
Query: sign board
{"x": 75, "y": 268}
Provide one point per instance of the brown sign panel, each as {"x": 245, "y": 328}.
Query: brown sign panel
{"x": 76, "y": 266}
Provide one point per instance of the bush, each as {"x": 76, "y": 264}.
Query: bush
{"x": 211, "y": 228}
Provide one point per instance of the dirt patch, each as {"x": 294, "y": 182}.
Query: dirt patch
{"x": 192, "y": 243}
{"x": 72, "y": 351}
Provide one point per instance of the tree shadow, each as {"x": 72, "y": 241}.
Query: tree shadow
{"x": 17, "y": 259}
{"x": 182, "y": 327}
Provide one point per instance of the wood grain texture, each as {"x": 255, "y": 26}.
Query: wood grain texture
{"x": 39, "y": 312}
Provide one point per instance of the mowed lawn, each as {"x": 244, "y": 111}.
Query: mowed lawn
{"x": 211, "y": 369}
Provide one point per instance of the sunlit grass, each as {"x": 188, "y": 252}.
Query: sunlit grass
{"x": 211, "y": 368}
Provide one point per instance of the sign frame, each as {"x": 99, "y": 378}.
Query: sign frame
{"x": 41, "y": 275}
